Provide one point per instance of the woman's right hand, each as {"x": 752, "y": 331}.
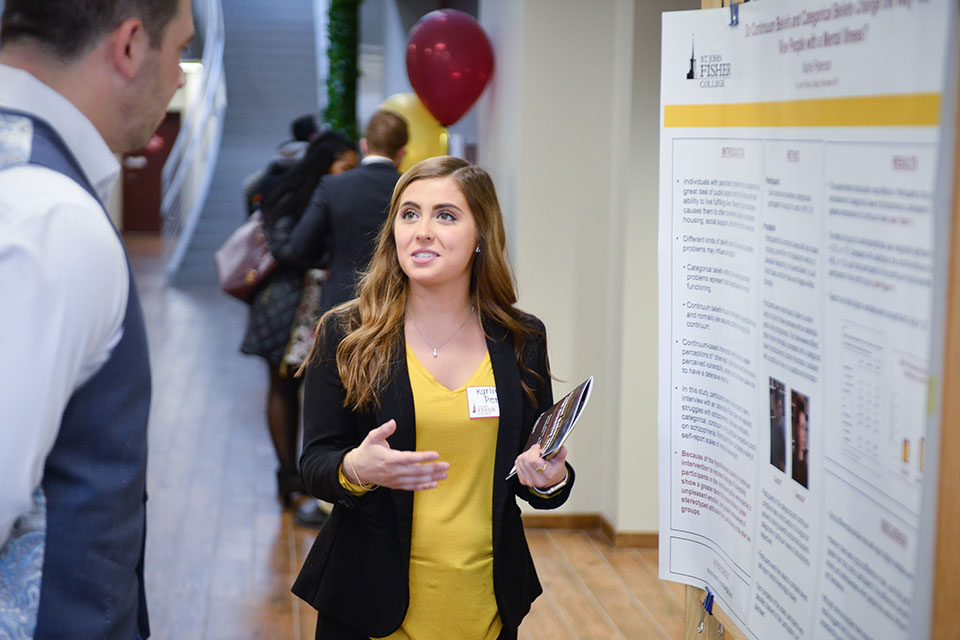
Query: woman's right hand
{"x": 375, "y": 463}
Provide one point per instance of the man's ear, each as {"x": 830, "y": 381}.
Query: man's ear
{"x": 399, "y": 157}
{"x": 129, "y": 44}
{"x": 364, "y": 149}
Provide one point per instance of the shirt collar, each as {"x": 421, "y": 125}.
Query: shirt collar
{"x": 21, "y": 91}
{"x": 375, "y": 159}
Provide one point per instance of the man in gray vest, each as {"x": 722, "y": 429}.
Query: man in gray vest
{"x": 80, "y": 80}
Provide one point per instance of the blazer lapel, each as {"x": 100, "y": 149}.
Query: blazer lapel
{"x": 509, "y": 396}
{"x": 396, "y": 402}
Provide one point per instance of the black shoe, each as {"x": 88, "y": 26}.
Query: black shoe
{"x": 288, "y": 486}
{"x": 310, "y": 515}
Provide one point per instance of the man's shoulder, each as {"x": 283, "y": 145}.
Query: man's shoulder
{"x": 30, "y": 187}
{"x": 49, "y": 222}
{"x": 361, "y": 187}
{"x": 365, "y": 173}
{"x": 39, "y": 205}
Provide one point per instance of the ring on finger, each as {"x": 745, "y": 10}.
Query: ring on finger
{"x": 539, "y": 469}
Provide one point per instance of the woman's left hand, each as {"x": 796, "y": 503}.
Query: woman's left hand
{"x": 534, "y": 471}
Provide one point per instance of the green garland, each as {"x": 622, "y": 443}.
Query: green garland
{"x": 343, "y": 30}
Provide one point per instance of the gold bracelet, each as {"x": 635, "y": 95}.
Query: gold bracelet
{"x": 549, "y": 492}
{"x": 356, "y": 475}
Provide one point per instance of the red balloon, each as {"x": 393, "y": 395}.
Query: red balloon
{"x": 449, "y": 61}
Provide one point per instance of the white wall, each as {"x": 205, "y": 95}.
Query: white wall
{"x": 545, "y": 135}
{"x": 638, "y": 384}
{"x": 569, "y": 129}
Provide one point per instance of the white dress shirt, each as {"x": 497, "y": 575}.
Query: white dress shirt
{"x": 372, "y": 158}
{"x": 63, "y": 289}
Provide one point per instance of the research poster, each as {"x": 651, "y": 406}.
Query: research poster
{"x": 801, "y": 153}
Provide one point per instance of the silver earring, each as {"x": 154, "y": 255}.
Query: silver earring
{"x": 478, "y": 248}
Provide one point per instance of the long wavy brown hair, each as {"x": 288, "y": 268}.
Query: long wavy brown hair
{"x": 373, "y": 322}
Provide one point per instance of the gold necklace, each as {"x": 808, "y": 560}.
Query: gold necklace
{"x": 437, "y": 348}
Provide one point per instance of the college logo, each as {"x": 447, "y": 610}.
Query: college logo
{"x": 709, "y": 69}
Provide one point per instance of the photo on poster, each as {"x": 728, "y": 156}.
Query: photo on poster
{"x": 800, "y": 415}
{"x": 778, "y": 444}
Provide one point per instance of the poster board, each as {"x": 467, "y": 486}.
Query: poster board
{"x": 946, "y": 558}
{"x": 803, "y": 152}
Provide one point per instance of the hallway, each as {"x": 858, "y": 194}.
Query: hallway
{"x": 267, "y": 87}
{"x": 222, "y": 553}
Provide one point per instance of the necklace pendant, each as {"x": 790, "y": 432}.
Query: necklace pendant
{"x": 434, "y": 353}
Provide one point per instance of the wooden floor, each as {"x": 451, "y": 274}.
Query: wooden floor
{"x": 222, "y": 553}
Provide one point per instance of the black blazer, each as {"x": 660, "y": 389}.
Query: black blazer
{"x": 343, "y": 218}
{"x": 356, "y": 572}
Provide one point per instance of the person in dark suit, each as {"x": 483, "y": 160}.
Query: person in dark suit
{"x": 346, "y": 211}
{"x": 425, "y": 539}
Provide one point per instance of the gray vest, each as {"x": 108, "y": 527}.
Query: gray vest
{"x": 75, "y": 564}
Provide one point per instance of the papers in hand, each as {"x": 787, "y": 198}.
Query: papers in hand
{"x": 555, "y": 424}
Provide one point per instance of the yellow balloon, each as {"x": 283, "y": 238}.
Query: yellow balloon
{"x": 426, "y": 136}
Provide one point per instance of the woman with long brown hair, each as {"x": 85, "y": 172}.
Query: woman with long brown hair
{"x": 419, "y": 397}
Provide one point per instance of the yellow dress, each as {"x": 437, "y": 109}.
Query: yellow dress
{"x": 451, "y": 543}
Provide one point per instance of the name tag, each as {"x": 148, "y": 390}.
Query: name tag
{"x": 482, "y": 402}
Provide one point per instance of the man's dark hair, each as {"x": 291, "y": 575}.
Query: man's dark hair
{"x": 67, "y": 28}
{"x": 386, "y": 133}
